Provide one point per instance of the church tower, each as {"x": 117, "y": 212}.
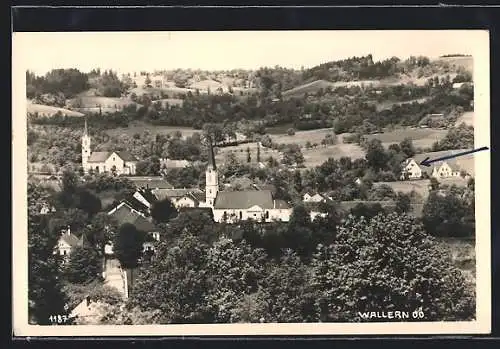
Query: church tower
{"x": 85, "y": 147}
{"x": 212, "y": 178}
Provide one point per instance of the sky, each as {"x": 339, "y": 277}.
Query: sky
{"x": 225, "y": 50}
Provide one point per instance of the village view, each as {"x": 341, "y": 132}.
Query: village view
{"x": 252, "y": 196}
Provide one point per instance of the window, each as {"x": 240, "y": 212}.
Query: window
{"x": 64, "y": 252}
{"x": 241, "y": 215}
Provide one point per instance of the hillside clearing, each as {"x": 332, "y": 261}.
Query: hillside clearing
{"x": 317, "y": 156}
{"x": 139, "y": 128}
{"x": 240, "y": 152}
{"x": 421, "y": 137}
{"x": 302, "y": 137}
{"x": 48, "y": 111}
{"x": 467, "y": 118}
{"x": 389, "y": 105}
{"x": 421, "y": 186}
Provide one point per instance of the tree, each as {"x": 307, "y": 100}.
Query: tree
{"x": 403, "y": 203}
{"x": 447, "y": 214}
{"x": 88, "y": 202}
{"x": 249, "y": 157}
{"x": 163, "y": 211}
{"x": 45, "y": 294}
{"x": 234, "y": 271}
{"x": 376, "y": 155}
{"x": 147, "y": 81}
{"x": 407, "y": 147}
{"x": 183, "y": 300}
{"x": 128, "y": 245}
{"x": 388, "y": 263}
{"x": 84, "y": 265}
{"x": 290, "y": 132}
{"x": 258, "y": 152}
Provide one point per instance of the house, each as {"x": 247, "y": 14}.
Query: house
{"x": 116, "y": 162}
{"x": 169, "y": 163}
{"x": 88, "y": 312}
{"x": 259, "y": 205}
{"x": 150, "y": 182}
{"x": 448, "y": 168}
{"x": 313, "y": 197}
{"x": 124, "y": 213}
{"x": 66, "y": 243}
{"x": 181, "y": 197}
{"x": 411, "y": 170}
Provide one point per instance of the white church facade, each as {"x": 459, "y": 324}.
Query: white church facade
{"x": 115, "y": 162}
{"x": 234, "y": 206}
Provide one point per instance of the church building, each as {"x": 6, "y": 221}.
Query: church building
{"x": 116, "y": 162}
{"x": 233, "y": 206}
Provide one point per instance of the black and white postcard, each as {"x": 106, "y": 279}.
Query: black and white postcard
{"x": 251, "y": 183}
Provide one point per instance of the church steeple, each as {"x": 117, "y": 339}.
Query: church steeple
{"x": 211, "y": 156}
{"x": 85, "y": 148}
{"x": 211, "y": 177}
{"x": 85, "y": 131}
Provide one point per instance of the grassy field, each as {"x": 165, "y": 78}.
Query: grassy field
{"x": 467, "y": 118}
{"x": 421, "y": 137}
{"x": 47, "y": 110}
{"x": 240, "y": 151}
{"x": 421, "y": 186}
{"x": 138, "y": 127}
{"x": 302, "y": 137}
{"x": 389, "y": 105}
{"x": 317, "y": 156}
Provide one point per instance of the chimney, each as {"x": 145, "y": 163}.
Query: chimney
{"x": 274, "y": 203}
{"x": 68, "y": 231}
{"x": 88, "y": 301}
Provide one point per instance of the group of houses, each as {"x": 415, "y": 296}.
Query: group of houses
{"x": 450, "y": 168}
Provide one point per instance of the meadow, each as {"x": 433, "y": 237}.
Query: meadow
{"x": 317, "y": 156}
{"x": 302, "y": 137}
{"x": 421, "y": 137}
{"x": 47, "y": 110}
{"x": 421, "y": 186}
{"x": 139, "y": 127}
{"x": 240, "y": 152}
{"x": 467, "y": 118}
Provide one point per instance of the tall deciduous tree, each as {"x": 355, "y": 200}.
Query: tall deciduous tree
{"x": 128, "y": 245}
{"x": 175, "y": 283}
{"x": 84, "y": 265}
{"x": 163, "y": 211}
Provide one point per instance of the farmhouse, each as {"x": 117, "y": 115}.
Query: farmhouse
{"x": 449, "y": 168}
{"x": 124, "y": 213}
{"x": 116, "y": 162}
{"x": 308, "y": 197}
{"x": 67, "y": 242}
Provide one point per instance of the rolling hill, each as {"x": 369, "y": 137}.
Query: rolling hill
{"x": 47, "y": 110}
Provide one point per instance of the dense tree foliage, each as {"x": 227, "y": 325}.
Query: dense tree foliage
{"x": 128, "y": 245}
{"x": 163, "y": 211}
{"x": 387, "y": 262}
{"x": 45, "y": 295}
{"x": 84, "y": 265}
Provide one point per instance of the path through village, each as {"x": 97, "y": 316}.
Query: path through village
{"x": 113, "y": 275}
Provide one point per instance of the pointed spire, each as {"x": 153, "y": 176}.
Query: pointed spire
{"x": 85, "y": 132}
{"x": 211, "y": 156}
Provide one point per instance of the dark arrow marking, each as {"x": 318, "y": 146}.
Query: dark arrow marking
{"x": 427, "y": 162}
